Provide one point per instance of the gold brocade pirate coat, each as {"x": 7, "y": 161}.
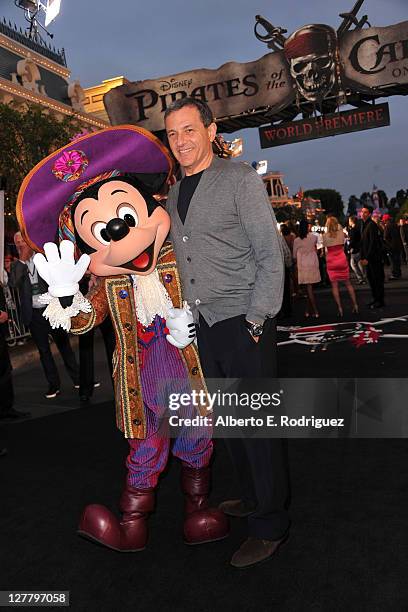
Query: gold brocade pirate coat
{"x": 105, "y": 299}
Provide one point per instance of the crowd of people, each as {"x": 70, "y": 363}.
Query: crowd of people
{"x": 238, "y": 273}
{"x": 330, "y": 254}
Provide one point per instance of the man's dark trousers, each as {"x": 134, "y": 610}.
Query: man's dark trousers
{"x": 375, "y": 276}
{"x": 86, "y": 356}
{"x": 40, "y": 330}
{"x": 396, "y": 263}
{"x": 227, "y": 350}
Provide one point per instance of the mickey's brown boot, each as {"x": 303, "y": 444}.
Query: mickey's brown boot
{"x": 100, "y": 525}
{"x": 202, "y": 524}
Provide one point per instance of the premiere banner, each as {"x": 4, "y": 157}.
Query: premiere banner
{"x": 315, "y": 64}
{"x": 355, "y": 120}
{"x": 285, "y": 408}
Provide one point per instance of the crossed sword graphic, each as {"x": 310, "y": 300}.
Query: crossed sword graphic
{"x": 320, "y": 336}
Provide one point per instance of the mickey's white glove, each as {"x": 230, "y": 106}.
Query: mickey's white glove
{"x": 60, "y": 272}
{"x": 180, "y": 324}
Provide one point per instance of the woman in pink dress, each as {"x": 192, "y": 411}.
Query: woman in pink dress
{"x": 305, "y": 255}
{"x": 337, "y": 264}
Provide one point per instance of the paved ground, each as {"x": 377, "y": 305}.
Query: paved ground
{"x": 348, "y": 509}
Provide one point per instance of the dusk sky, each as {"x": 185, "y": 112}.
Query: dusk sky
{"x": 143, "y": 40}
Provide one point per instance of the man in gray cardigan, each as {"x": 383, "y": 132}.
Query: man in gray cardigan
{"x": 231, "y": 267}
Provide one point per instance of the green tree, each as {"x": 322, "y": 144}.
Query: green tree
{"x": 331, "y": 201}
{"x": 365, "y": 199}
{"x": 288, "y": 213}
{"x": 403, "y": 211}
{"x": 26, "y": 137}
{"x": 401, "y": 196}
{"x": 383, "y": 198}
{"x": 352, "y": 205}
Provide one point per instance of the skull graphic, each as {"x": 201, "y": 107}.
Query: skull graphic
{"x": 314, "y": 75}
{"x": 311, "y": 52}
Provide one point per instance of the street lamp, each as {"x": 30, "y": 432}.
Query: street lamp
{"x": 27, "y": 5}
{"x": 32, "y": 8}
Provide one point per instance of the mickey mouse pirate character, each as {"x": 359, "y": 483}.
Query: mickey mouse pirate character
{"x": 97, "y": 193}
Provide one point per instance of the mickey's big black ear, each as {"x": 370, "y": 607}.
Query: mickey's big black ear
{"x": 152, "y": 183}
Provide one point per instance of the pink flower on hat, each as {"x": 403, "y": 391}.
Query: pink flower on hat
{"x": 70, "y": 165}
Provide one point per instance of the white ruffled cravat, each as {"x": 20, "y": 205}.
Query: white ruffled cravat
{"x": 151, "y": 297}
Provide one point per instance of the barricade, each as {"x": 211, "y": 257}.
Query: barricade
{"x": 17, "y": 331}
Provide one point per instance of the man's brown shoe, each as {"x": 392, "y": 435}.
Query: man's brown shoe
{"x": 255, "y": 550}
{"x": 237, "y": 507}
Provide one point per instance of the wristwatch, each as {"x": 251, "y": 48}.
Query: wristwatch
{"x": 255, "y": 329}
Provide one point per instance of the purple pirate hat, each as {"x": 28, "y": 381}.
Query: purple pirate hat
{"x": 54, "y": 180}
